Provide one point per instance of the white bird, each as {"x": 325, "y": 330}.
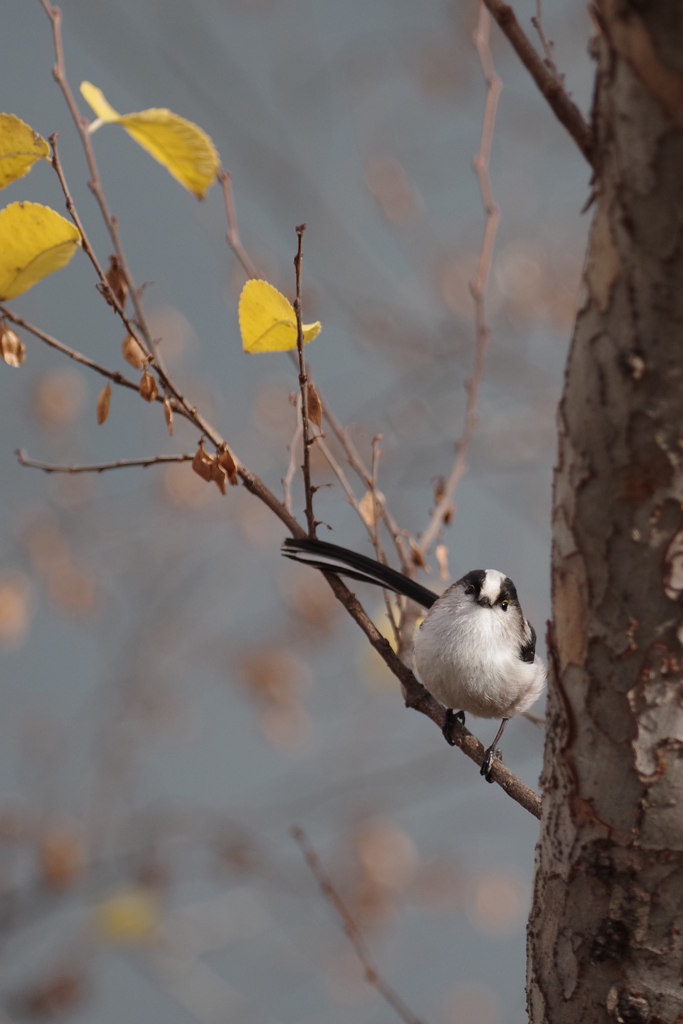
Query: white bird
{"x": 474, "y": 651}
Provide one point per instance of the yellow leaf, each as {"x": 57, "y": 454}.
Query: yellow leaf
{"x": 34, "y": 242}
{"x": 128, "y": 916}
{"x": 20, "y": 148}
{"x": 183, "y": 148}
{"x": 268, "y": 320}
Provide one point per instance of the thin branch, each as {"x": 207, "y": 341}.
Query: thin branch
{"x": 391, "y": 606}
{"x": 108, "y": 291}
{"x": 250, "y": 480}
{"x": 565, "y": 110}
{"x": 372, "y": 974}
{"x": 291, "y": 466}
{"x": 546, "y": 44}
{"x": 444, "y": 505}
{"x": 95, "y": 185}
{"x": 59, "y": 72}
{"x": 303, "y": 386}
{"x": 71, "y": 353}
{"x": 103, "y": 467}
{"x": 356, "y": 462}
{"x": 233, "y": 235}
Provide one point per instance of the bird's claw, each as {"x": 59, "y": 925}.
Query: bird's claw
{"x": 451, "y": 718}
{"x": 490, "y": 756}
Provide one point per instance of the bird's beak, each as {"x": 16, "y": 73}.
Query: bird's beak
{"x": 484, "y": 602}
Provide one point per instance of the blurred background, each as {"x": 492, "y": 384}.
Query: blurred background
{"x": 174, "y": 696}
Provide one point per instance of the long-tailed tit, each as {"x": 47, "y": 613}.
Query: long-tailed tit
{"x": 475, "y": 651}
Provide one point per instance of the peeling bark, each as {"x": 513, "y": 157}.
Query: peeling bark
{"x": 605, "y": 939}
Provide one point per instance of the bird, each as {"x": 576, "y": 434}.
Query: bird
{"x": 474, "y": 651}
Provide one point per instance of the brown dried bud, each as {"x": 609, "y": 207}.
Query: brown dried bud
{"x": 367, "y": 509}
{"x": 61, "y": 856}
{"x": 315, "y": 409}
{"x": 103, "y": 402}
{"x": 219, "y": 477}
{"x": 133, "y": 352}
{"x": 226, "y": 461}
{"x": 12, "y": 349}
{"x": 148, "y": 387}
{"x": 116, "y": 281}
{"x": 439, "y": 494}
{"x": 202, "y": 464}
{"x": 416, "y": 556}
{"x": 168, "y": 416}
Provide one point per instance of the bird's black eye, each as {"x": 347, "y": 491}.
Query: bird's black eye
{"x": 504, "y": 604}
{"x": 469, "y": 590}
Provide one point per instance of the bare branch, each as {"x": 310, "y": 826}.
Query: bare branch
{"x": 233, "y": 236}
{"x": 372, "y": 975}
{"x": 291, "y": 465}
{"x": 71, "y": 353}
{"x": 444, "y": 505}
{"x": 565, "y": 110}
{"x": 364, "y": 474}
{"x": 87, "y": 247}
{"x": 95, "y": 183}
{"x": 103, "y": 467}
{"x": 303, "y": 385}
{"x": 546, "y": 44}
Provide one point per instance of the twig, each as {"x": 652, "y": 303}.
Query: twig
{"x": 372, "y": 974}
{"x": 444, "y": 505}
{"x": 155, "y": 361}
{"x": 87, "y": 247}
{"x": 391, "y": 606}
{"x": 365, "y": 475}
{"x": 71, "y": 353}
{"x": 546, "y": 44}
{"x": 565, "y": 110}
{"x": 95, "y": 183}
{"x": 102, "y": 467}
{"x": 303, "y": 385}
{"x": 291, "y": 465}
{"x": 233, "y": 235}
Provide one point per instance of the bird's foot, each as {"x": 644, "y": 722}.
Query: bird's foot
{"x": 491, "y": 755}
{"x": 451, "y": 718}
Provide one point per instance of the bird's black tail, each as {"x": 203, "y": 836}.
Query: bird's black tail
{"x": 333, "y": 558}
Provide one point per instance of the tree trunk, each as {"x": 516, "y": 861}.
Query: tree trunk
{"x": 605, "y": 940}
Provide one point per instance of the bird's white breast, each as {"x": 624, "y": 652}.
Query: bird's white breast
{"x": 468, "y": 658}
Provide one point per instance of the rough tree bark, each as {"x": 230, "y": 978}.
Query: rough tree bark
{"x": 605, "y": 940}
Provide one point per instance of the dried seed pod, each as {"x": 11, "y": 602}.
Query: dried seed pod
{"x": 219, "y": 477}
{"x": 148, "y": 387}
{"x": 12, "y": 349}
{"x": 103, "y": 402}
{"x": 202, "y": 463}
{"x": 116, "y": 281}
{"x": 315, "y": 409}
{"x": 133, "y": 352}
{"x": 226, "y": 461}
{"x": 168, "y": 416}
